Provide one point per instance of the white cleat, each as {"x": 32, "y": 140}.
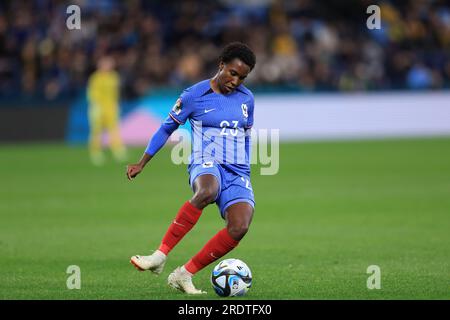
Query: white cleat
{"x": 182, "y": 280}
{"x": 154, "y": 263}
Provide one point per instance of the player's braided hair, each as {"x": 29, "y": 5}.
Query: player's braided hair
{"x": 238, "y": 50}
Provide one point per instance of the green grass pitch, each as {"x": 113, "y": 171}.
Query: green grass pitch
{"x": 333, "y": 209}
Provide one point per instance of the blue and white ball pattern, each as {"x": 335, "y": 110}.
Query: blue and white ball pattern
{"x": 231, "y": 278}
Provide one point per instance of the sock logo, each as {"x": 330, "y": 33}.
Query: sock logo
{"x": 212, "y": 255}
{"x": 178, "y": 224}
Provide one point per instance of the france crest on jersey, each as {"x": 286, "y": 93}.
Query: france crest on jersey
{"x": 220, "y": 125}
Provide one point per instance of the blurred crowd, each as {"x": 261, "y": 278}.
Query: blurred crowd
{"x": 302, "y": 45}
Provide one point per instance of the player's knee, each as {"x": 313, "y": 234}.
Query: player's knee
{"x": 204, "y": 196}
{"x": 237, "y": 232}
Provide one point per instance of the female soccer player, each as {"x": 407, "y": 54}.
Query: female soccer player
{"x": 220, "y": 111}
{"x": 104, "y": 113}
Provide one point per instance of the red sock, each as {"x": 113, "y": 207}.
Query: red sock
{"x": 186, "y": 218}
{"x": 216, "y": 247}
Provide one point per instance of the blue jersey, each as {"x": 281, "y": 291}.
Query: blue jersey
{"x": 220, "y": 135}
{"x": 220, "y": 125}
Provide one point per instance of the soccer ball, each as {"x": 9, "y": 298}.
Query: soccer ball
{"x": 231, "y": 277}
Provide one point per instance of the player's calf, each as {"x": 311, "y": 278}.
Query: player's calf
{"x": 237, "y": 232}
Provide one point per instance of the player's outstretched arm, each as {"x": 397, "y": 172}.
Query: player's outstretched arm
{"x": 156, "y": 143}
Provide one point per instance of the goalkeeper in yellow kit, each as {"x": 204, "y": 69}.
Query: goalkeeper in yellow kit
{"x": 103, "y": 99}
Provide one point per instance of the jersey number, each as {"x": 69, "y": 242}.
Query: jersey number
{"x": 225, "y": 124}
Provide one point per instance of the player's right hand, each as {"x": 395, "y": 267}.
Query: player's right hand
{"x": 133, "y": 170}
